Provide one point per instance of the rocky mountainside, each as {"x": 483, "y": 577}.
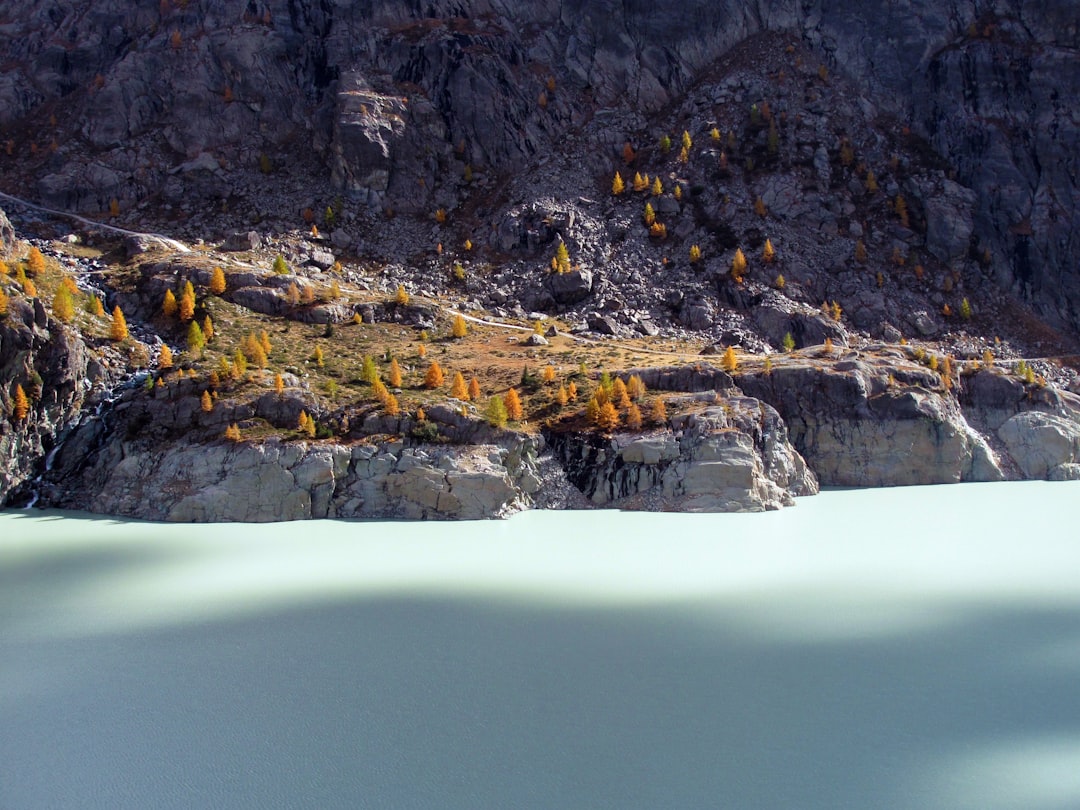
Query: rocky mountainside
{"x": 388, "y": 102}
{"x": 880, "y": 186}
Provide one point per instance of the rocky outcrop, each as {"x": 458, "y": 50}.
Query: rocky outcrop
{"x": 7, "y": 237}
{"x": 734, "y": 457}
{"x": 394, "y": 101}
{"x": 857, "y": 428}
{"x": 52, "y": 364}
{"x": 275, "y": 480}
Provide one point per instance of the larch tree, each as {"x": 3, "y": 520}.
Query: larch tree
{"x": 434, "y": 376}
{"x": 232, "y": 432}
{"x": 474, "y": 390}
{"x": 63, "y": 306}
{"x": 695, "y": 254}
{"x": 280, "y": 267}
{"x": 264, "y": 341}
{"x": 767, "y": 253}
{"x": 196, "y": 340}
{"x": 169, "y": 307}
{"x": 208, "y": 328}
{"x": 369, "y": 372}
{"x": 165, "y": 357}
{"x": 390, "y": 405}
{"x": 608, "y": 417}
{"x": 657, "y": 187}
{"x": 187, "y": 305}
{"x": 617, "y": 185}
{"x": 729, "y": 362}
{"x": 217, "y": 281}
{"x": 562, "y": 258}
{"x": 658, "y": 412}
{"x": 317, "y": 357}
{"x": 738, "y": 265}
{"x": 561, "y": 396}
{"x": 495, "y": 413}
{"x": 571, "y": 391}
{"x": 512, "y": 401}
{"x": 35, "y": 262}
{"x": 279, "y": 384}
{"x": 394, "y": 375}
{"x": 619, "y": 395}
{"x": 20, "y": 405}
{"x": 549, "y": 374}
{"x": 633, "y": 417}
{"x": 635, "y": 387}
{"x": 459, "y": 329}
{"x": 206, "y": 402}
{"x": 292, "y": 295}
{"x": 458, "y": 389}
{"x": 118, "y": 330}
{"x": 401, "y": 297}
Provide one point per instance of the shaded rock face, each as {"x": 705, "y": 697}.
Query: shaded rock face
{"x": 56, "y": 371}
{"x": 392, "y": 96}
{"x": 734, "y": 458}
{"x": 7, "y": 237}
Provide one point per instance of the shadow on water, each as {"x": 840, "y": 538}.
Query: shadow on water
{"x": 451, "y": 702}
{"x": 370, "y": 669}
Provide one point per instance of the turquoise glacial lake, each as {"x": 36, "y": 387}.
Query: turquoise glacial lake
{"x": 901, "y": 649}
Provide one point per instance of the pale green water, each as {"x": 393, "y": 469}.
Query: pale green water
{"x": 894, "y": 649}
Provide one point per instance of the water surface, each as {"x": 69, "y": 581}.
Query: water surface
{"x": 903, "y": 649}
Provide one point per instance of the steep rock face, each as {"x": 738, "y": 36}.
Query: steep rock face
{"x": 730, "y": 458}
{"x": 7, "y": 237}
{"x": 853, "y": 429}
{"x": 274, "y": 481}
{"x": 54, "y": 368}
{"x": 396, "y": 98}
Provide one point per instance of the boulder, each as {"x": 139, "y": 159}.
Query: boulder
{"x": 241, "y": 241}
{"x": 1041, "y": 443}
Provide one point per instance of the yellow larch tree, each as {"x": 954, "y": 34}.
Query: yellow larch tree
{"x": 474, "y": 390}
{"x": 394, "y": 375}
{"x": 401, "y": 297}
{"x": 206, "y": 402}
{"x": 549, "y": 374}
{"x": 118, "y": 330}
{"x": 165, "y": 357}
{"x": 658, "y": 411}
{"x": 217, "y": 281}
{"x": 617, "y": 185}
{"x": 35, "y": 262}
{"x": 63, "y": 306}
{"x": 169, "y": 306}
{"x": 767, "y": 253}
{"x": 738, "y": 265}
{"x": 434, "y": 376}
{"x": 20, "y": 405}
{"x": 512, "y": 401}
{"x": 459, "y": 328}
{"x": 187, "y": 305}
{"x": 458, "y": 388}
{"x": 608, "y": 417}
